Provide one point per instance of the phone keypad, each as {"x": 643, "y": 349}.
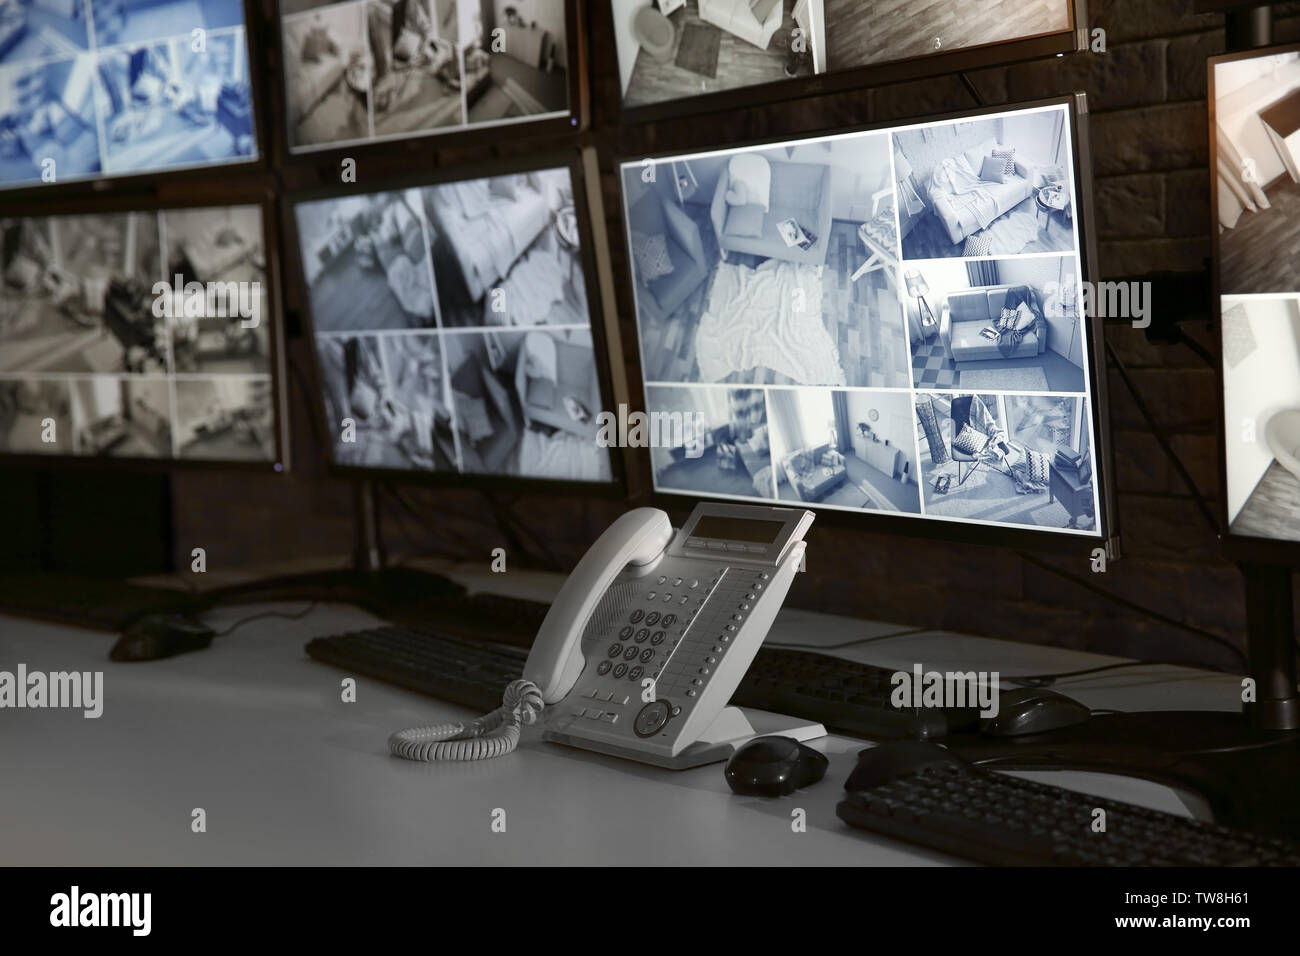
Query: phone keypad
{"x": 680, "y": 650}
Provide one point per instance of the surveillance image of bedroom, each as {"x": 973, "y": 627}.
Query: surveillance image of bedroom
{"x": 1257, "y": 119}
{"x": 986, "y": 186}
{"x": 415, "y": 77}
{"x": 845, "y": 449}
{"x": 526, "y": 403}
{"x": 770, "y": 266}
{"x": 506, "y": 251}
{"x": 516, "y": 58}
{"x": 714, "y": 441}
{"x": 327, "y": 74}
{"x": 1008, "y": 324}
{"x": 48, "y": 122}
{"x": 673, "y": 49}
{"x": 1022, "y": 460}
{"x": 76, "y": 295}
{"x": 365, "y": 260}
{"x": 883, "y": 31}
{"x": 122, "y": 417}
{"x": 1261, "y": 378}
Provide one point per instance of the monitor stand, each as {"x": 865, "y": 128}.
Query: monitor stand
{"x": 388, "y": 591}
{"x": 1244, "y": 759}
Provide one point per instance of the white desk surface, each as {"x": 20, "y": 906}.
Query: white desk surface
{"x": 255, "y": 733}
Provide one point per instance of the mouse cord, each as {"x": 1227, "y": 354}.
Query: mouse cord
{"x": 492, "y": 735}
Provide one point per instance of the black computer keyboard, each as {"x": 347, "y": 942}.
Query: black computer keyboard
{"x": 490, "y": 617}
{"x": 920, "y": 793}
{"x": 847, "y": 697}
{"x": 461, "y": 670}
{"x": 87, "y": 601}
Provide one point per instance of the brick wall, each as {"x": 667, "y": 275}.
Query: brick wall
{"x": 1149, "y": 137}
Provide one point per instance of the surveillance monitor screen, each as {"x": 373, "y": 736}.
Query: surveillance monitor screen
{"x": 883, "y": 322}
{"x": 453, "y": 328}
{"x": 671, "y": 50}
{"x": 365, "y": 71}
{"x": 1256, "y": 137}
{"x": 100, "y": 88}
{"x": 137, "y": 335}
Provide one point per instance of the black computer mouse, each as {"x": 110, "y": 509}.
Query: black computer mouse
{"x": 1033, "y": 710}
{"x": 156, "y": 636}
{"x": 774, "y": 767}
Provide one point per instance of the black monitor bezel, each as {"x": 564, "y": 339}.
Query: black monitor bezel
{"x": 1236, "y": 547}
{"x": 413, "y": 149}
{"x": 257, "y": 194}
{"x": 616, "y": 486}
{"x": 986, "y": 55}
{"x": 946, "y": 530}
{"x": 159, "y": 182}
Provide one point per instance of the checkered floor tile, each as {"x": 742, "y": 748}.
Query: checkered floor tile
{"x": 932, "y": 368}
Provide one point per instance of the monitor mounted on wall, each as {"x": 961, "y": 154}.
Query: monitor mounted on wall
{"x": 365, "y": 72}
{"x": 148, "y": 336}
{"x": 96, "y": 90}
{"x": 457, "y": 326}
{"x": 885, "y": 323}
{"x": 676, "y": 56}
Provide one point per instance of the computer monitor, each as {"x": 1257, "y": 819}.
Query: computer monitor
{"x": 455, "y": 319}
{"x": 381, "y": 71}
{"x": 676, "y": 56}
{"x": 97, "y": 89}
{"x": 1255, "y": 128}
{"x": 140, "y": 335}
{"x": 888, "y": 323}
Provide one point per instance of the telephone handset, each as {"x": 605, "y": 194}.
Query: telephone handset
{"x": 646, "y": 642}
{"x": 636, "y": 539}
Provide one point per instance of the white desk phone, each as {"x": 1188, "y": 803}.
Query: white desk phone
{"x": 646, "y": 642}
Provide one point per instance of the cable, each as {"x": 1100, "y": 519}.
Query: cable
{"x": 492, "y": 735}
{"x": 835, "y": 647}
{"x": 263, "y": 614}
{"x": 971, "y": 88}
{"x": 1134, "y": 606}
{"x": 1167, "y": 448}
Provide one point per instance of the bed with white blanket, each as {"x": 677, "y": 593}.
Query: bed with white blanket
{"x": 487, "y": 224}
{"x": 767, "y": 317}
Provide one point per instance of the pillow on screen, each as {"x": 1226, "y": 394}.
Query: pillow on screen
{"x": 975, "y": 155}
{"x": 969, "y": 441}
{"x": 993, "y": 170}
{"x": 1008, "y": 320}
{"x": 1024, "y": 318}
{"x": 749, "y": 180}
{"x": 651, "y": 255}
{"x": 762, "y": 8}
{"x": 980, "y": 244}
{"x": 1008, "y": 156}
{"x": 504, "y": 186}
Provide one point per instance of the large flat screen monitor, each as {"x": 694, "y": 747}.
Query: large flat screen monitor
{"x": 140, "y": 335}
{"x": 454, "y": 323}
{"x": 676, "y": 55}
{"x": 1255, "y": 143}
{"x": 372, "y": 71}
{"x": 882, "y": 322}
{"x": 91, "y": 89}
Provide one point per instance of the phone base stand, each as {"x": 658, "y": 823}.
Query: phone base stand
{"x": 731, "y": 729}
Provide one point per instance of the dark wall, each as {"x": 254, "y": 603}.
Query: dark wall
{"x": 1149, "y": 146}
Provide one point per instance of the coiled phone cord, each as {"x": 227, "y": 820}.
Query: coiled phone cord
{"x": 492, "y": 735}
